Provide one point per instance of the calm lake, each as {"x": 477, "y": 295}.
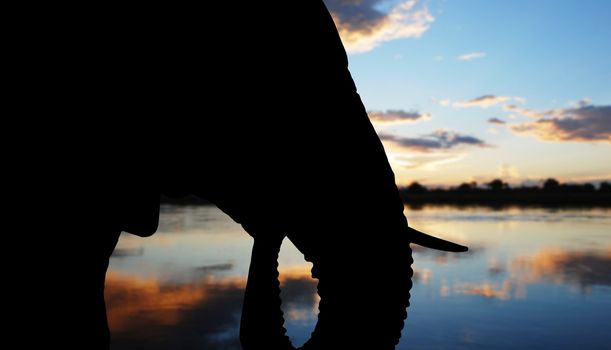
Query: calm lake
{"x": 534, "y": 278}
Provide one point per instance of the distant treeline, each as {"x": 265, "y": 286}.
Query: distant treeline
{"x": 550, "y": 192}
{"x": 495, "y": 193}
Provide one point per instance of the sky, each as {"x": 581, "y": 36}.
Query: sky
{"x": 473, "y": 90}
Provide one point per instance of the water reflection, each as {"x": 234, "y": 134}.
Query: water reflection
{"x": 487, "y": 290}
{"x": 201, "y": 314}
{"x": 581, "y": 268}
{"x": 153, "y": 314}
{"x": 136, "y": 303}
{"x": 183, "y": 287}
{"x": 442, "y": 257}
{"x": 422, "y": 276}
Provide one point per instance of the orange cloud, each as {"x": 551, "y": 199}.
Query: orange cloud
{"x": 583, "y": 124}
{"x": 532, "y": 113}
{"x": 482, "y": 101}
{"x": 397, "y": 117}
{"x": 363, "y": 27}
{"x": 429, "y": 161}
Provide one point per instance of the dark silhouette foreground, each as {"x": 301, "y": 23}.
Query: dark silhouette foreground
{"x": 278, "y": 111}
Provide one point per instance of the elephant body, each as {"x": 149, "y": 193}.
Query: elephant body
{"x": 262, "y": 119}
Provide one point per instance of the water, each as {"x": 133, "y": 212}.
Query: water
{"x": 534, "y": 278}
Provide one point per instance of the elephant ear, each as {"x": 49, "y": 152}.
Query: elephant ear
{"x": 429, "y": 241}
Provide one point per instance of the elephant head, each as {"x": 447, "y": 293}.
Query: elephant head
{"x": 314, "y": 170}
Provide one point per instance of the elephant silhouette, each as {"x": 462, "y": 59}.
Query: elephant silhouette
{"x": 258, "y": 114}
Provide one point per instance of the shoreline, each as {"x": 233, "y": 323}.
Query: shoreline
{"x": 502, "y": 198}
{"x": 475, "y": 198}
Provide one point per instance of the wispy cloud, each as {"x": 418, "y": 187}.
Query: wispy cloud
{"x": 397, "y": 116}
{"x": 471, "y": 56}
{"x": 583, "y": 124}
{"x": 429, "y": 161}
{"x": 586, "y": 101}
{"x": 508, "y": 172}
{"x": 363, "y": 26}
{"x": 531, "y": 113}
{"x": 482, "y": 101}
{"x": 496, "y": 121}
{"x": 438, "y": 140}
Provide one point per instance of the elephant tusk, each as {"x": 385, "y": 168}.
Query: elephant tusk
{"x": 429, "y": 241}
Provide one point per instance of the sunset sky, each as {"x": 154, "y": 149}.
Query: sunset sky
{"x": 472, "y": 90}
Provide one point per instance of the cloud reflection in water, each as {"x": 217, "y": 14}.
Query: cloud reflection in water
{"x": 583, "y": 269}
{"x": 148, "y": 313}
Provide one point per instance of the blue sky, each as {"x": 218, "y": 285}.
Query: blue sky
{"x": 435, "y": 73}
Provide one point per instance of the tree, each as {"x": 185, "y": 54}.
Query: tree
{"x": 415, "y": 187}
{"x": 463, "y": 187}
{"x": 588, "y": 187}
{"x": 551, "y": 185}
{"x": 496, "y": 185}
{"x": 604, "y": 187}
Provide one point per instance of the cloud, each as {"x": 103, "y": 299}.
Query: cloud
{"x": 471, "y": 56}
{"x": 363, "y": 26}
{"x": 429, "y": 151}
{"x": 426, "y": 161}
{"x": 438, "y": 140}
{"x": 496, "y": 121}
{"x": 397, "y": 116}
{"x": 482, "y": 101}
{"x": 582, "y": 124}
{"x": 586, "y": 101}
{"x": 531, "y": 113}
{"x": 508, "y": 172}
